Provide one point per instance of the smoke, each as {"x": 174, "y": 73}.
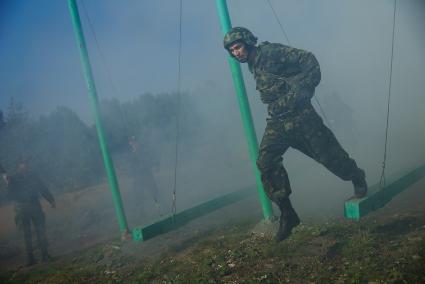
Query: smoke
{"x": 138, "y": 53}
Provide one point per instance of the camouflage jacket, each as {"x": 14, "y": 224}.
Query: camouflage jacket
{"x": 285, "y": 76}
{"x": 26, "y": 189}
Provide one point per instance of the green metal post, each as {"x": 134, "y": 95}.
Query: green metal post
{"x": 109, "y": 166}
{"x": 245, "y": 110}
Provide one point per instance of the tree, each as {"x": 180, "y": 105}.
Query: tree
{"x": 65, "y": 150}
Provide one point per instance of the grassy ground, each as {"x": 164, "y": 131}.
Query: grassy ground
{"x": 379, "y": 249}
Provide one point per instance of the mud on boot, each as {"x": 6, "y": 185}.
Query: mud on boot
{"x": 359, "y": 183}
{"x": 287, "y": 221}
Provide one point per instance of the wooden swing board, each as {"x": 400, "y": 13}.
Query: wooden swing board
{"x": 140, "y": 234}
{"x": 355, "y": 208}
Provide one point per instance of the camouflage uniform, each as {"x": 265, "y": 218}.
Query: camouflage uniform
{"x": 143, "y": 163}
{"x": 25, "y": 190}
{"x": 286, "y": 78}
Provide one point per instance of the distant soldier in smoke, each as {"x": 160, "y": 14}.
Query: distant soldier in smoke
{"x": 143, "y": 166}
{"x": 25, "y": 189}
{"x": 340, "y": 116}
{"x": 286, "y": 78}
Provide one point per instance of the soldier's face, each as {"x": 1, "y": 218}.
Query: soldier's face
{"x": 240, "y": 51}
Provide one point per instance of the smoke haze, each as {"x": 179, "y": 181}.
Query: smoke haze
{"x": 138, "y": 54}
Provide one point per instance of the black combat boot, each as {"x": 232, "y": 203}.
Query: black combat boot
{"x": 360, "y": 185}
{"x": 287, "y": 221}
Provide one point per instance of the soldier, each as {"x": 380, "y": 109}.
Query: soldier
{"x": 25, "y": 188}
{"x": 143, "y": 165}
{"x": 286, "y": 78}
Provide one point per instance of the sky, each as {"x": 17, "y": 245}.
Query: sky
{"x": 138, "y": 53}
{"x": 138, "y": 44}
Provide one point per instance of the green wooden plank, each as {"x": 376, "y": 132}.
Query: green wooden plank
{"x": 170, "y": 223}
{"x": 376, "y": 198}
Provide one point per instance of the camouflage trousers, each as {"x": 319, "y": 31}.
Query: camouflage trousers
{"x": 27, "y": 214}
{"x": 303, "y": 130}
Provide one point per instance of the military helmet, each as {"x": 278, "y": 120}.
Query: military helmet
{"x": 239, "y": 34}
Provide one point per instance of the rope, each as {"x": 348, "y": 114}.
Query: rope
{"x": 106, "y": 67}
{"x": 114, "y": 89}
{"x": 177, "y": 110}
{"x": 382, "y": 181}
{"x": 278, "y": 21}
{"x": 102, "y": 57}
{"x": 289, "y": 43}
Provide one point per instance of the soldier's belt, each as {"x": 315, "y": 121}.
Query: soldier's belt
{"x": 282, "y": 115}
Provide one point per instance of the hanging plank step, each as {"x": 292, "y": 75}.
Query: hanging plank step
{"x": 140, "y": 234}
{"x": 356, "y": 208}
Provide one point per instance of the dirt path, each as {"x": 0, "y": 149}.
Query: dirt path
{"x": 85, "y": 218}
